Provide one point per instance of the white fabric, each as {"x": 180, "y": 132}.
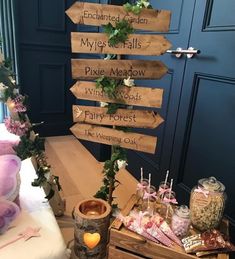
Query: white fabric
{"x": 36, "y": 212}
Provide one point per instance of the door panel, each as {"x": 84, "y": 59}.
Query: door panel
{"x": 171, "y": 83}
{"x": 44, "y": 62}
{"x": 205, "y": 138}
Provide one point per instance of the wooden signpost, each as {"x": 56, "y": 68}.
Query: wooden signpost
{"x": 136, "y": 69}
{"x": 122, "y": 117}
{"x": 100, "y": 14}
{"x": 109, "y": 136}
{"x": 137, "y": 44}
{"x": 87, "y": 117}
{"x": 140, "y": 96}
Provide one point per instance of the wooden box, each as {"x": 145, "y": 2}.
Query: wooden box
{"x": 125, "y": 244}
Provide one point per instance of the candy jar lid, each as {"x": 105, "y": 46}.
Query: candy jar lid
{"x": 183, "y": 211}
{"x": 211, "y": 184}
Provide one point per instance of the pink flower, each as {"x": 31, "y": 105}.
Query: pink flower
{"x": 18, "y": 104}
{"x": 16, "y": 127}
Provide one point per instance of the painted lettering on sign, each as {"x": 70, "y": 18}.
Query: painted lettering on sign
{"x": 122, "y": 117}
{"x": 109, "y": 136}
{"x": 100, "y": 14}
{"x": 137, "y": 69}
{"x": 146, "y": 44}
{"x": 141, "y": 96}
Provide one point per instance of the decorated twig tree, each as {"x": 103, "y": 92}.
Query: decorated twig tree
{"x": 114, "y": 79}
{"x": 30, "y": 145}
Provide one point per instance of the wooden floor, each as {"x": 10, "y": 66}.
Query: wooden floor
{"x": 80, "y": 176}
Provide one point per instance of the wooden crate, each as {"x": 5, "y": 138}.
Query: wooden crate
{"x": 125, "y": 244}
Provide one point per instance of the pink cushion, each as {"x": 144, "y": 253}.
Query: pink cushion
{"x": 8, "y": 212}
{"x": 9, "y": 189}
{"x": 9, "y": 176}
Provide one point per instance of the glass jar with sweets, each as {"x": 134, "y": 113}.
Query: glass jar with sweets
{"x": 180, "y": 222}
{"x": 207, "y": 202}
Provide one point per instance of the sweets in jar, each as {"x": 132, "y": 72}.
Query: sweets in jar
{"x": 207, "y": 202}
{"x": 180, "y": 222}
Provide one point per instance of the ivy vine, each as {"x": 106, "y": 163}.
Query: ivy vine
{"x": 137, "y": 7}
{"x": 118, "y": 33}
{"x": 111, "y": 167}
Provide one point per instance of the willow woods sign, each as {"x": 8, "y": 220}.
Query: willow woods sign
{"x": 122, "y": 117}
{"x": 137, "y": 69}
{"x": 101, "y": 14}
{"x": 109, "y": 136}
{"x": 144, "y": 44}
{"x": 139, "y": 96}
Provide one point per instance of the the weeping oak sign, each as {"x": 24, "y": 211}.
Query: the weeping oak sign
{"x": 139, "y": 96}
{"x": 109, "y": 136}
{"x": 101, "y": 14}
{"x": 136, "y": 44}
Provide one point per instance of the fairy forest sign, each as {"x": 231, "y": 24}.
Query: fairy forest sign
{"x": 101, "y": 14}
{"x": 122, "y": 117}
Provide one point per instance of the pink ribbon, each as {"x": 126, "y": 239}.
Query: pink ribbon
{"x": 120, "y": 217}
{"x": 140, "y": 187}
{"x": 148, "y": 195}
{"x": 162, "y": 190}
{"x": 200, "y": 190}
{"x": 167, "y": 200}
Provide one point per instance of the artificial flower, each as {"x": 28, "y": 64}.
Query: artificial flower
{"x": 144, "y": 3}
{"x": 16, "y": 127}
{"x": 129, "y": 82}
{"x": 19, "y": 104}
{"x": 121, "y": 164}
{"x": 103, "y": 104}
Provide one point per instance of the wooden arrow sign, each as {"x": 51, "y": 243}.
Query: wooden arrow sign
{"x": 109, "y": 136}
{"x": 137, "y": 44}
{"x": 140, "y": 96}
{"x": 122, "y": 117}
{"x": 137, "y": 69}
{"x": 100, "y": 14}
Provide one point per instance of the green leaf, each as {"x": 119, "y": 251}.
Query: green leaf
{"x": 119, "y": 33}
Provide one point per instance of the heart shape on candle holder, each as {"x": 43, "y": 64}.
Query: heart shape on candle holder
{"x": 91, "y": 240}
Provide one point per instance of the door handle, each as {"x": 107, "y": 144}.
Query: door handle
{"x": 179, "y": 52}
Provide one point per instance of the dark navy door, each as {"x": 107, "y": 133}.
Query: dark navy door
{"x": 204, "y": 142}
